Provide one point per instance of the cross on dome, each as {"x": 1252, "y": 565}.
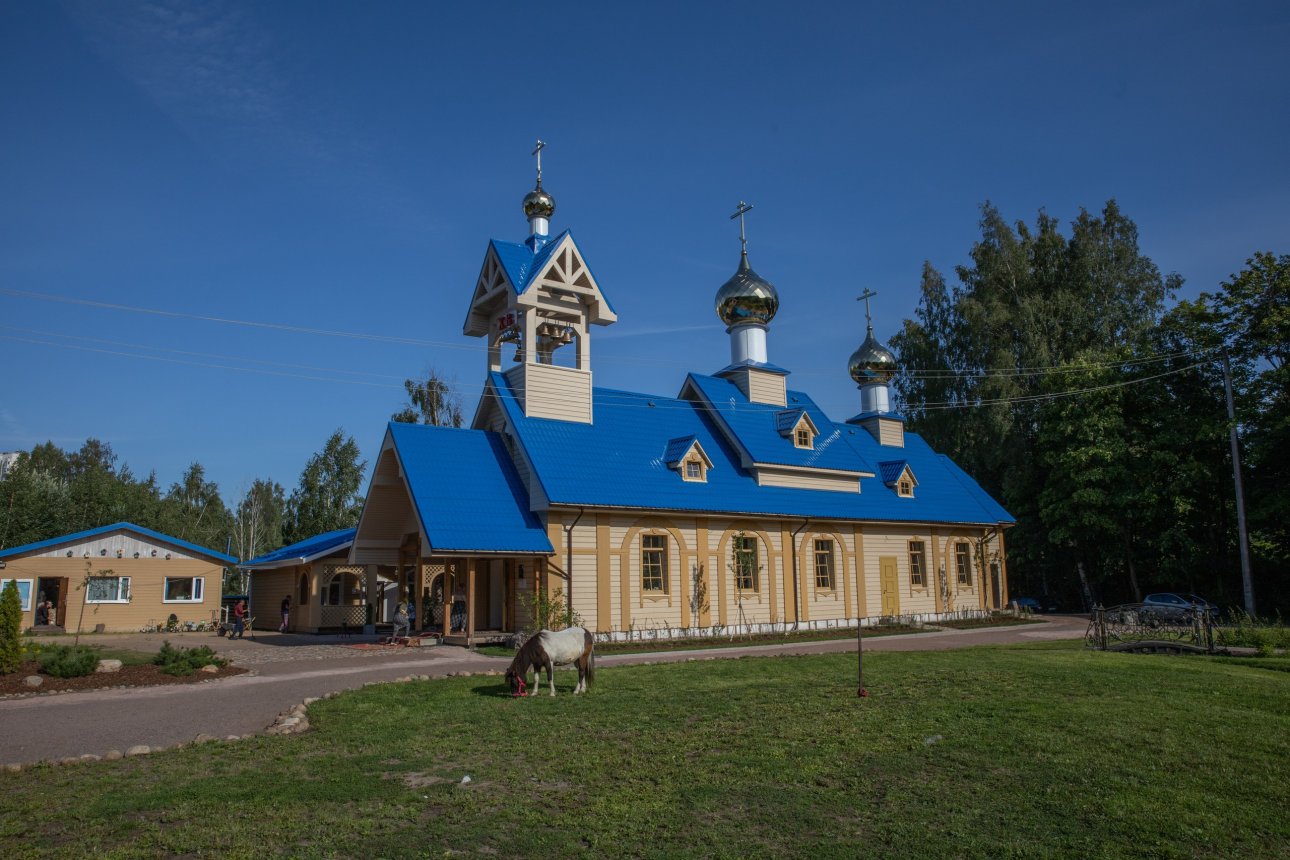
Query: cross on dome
{"x": 742, "y": 210}
{"x": 865, "y": 297}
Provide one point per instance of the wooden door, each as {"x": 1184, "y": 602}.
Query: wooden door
{"x": 889, "y": 585}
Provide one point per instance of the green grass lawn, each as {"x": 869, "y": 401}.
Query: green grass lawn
{"x": 1038, "y": 751}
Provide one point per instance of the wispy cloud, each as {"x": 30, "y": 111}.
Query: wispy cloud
{"x": 195, "y": 60}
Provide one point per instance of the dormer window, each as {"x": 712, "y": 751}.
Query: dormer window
{"x": 796, "y": 424}
{"x": 687, "y": 457}
{"x": 897, "y": 475}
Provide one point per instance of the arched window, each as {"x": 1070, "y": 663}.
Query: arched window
{"x": 342, "y": 588}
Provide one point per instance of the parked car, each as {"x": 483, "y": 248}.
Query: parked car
{"x": 1171, "y": 608}
{"x": 1029, "y": 604}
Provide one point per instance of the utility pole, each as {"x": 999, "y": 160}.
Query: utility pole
{"x": 1247, "y": 584}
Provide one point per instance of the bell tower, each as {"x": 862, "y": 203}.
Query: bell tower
{"x": 532, "y": 299}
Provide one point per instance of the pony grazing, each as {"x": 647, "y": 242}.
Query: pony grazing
{"x": 547, "y": 649}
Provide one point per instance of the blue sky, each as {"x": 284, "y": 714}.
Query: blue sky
{"x": 341, "y": 166}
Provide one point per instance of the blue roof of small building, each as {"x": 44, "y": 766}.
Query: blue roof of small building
{"x": 122, "y": 526}
{"x": 621, "y": 460}
{"x": 465, "y": 490}
{"x": 755, "y": 426}
{"x": 786, "y": 420}
{"x": 305, "y": 550}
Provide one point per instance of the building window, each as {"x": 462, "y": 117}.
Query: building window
{"x": 746, "y": 566}
{"x": 24, "y": 591}
{"x": 803, "y": 439}
{"x": 963, "y": 560}
{"x": 693, "y": 470}
{"x": 183, "y": 589}
{"x": 824, "y": 564}
{"x": 654, "y": 563}
{"x": 906, "y": 488}
{"x": 343, "y": 589}
{"x": 917, "y": 568}
{"x": 108, "y": 589}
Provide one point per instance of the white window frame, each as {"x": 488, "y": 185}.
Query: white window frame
{"x": 963, "y": 562}
{"x": 918, "y": 564}
{"x": 119, "y": 580}
{"x": 825, "y": 555}
{"x": 31, "y": 586}
{"x": 199, "y": 590}
{"x": 663, "y": 552}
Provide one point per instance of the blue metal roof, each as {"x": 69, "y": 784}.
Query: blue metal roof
{"x": 786, "y": 420}
{"x": 889, "y": 471}
{"x": 129, "y": 527}
{"x": 677, "y": 448}
{"x": 465, "y": 490}
{"x": 522, "y": 261}
{"x": 755, "y": 426}
{"x": 757, "y": 365}
{"x": 305, "y": 550}
{"x": 621, "y": 461}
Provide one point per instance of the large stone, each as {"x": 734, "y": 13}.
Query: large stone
{"x": 112, "y": 755}
{"x": 107, "y": 666}
{"x": 139, "y": 749}
{"x": 33, "y": 681}
{"x": 204, "y": 738}
{"x": 209, "y": 669}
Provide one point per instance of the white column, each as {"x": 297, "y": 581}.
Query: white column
{"x": 747, "y": 343}
{"x": 874, "y": 398}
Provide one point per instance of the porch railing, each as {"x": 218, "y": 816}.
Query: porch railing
{"x": 344, "y": 616}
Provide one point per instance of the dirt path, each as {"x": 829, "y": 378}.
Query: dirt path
{"x": 286, "y": 672}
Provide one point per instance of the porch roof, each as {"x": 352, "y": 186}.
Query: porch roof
{"x": 303, "y": 552}
{"x": 466, "y": 492}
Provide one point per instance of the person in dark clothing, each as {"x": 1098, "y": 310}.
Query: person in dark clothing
{"x": 239, "y": 619}
{"x": 286, "y": 614}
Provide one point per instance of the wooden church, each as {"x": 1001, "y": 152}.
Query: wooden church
{"x": 735, "y": 505}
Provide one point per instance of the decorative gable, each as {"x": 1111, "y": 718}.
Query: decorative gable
{"x": 561, "y": 281}
{"x": 687, "y": 457}
{"x": 897, "y": 475}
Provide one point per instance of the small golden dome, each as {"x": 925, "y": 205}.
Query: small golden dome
{"x": 538, "y": 204}
{"x": 872, "y": 362}
{"x": 747, "y": 297}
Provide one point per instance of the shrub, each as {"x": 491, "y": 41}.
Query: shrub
{"x": 10, "y": 628}
{"x": 69, "y": 661}
{"x": 185, "y": 661}
{"x": 1241, "y": 630}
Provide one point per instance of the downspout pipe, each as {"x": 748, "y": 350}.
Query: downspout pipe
{"x": 568, "y": 569}
{"x": 797, "y": 596}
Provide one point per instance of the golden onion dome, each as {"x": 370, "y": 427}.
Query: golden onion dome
{"x": 538, "y": 204}
{"x": 747, "y": 297}
{"x": 872, "y": 362}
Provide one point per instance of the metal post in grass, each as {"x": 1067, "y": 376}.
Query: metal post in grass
{"x": 861, "y": 692}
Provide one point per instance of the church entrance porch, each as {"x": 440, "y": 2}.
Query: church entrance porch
{"x": 472, "y": 600}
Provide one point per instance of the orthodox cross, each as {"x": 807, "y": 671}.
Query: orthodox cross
{"x": 865, "y": 297}
{"x": 538, "y": 152}
{"x": 743, "y": 209}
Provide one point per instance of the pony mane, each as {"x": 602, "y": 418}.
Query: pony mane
{"x": 527, "y": 656}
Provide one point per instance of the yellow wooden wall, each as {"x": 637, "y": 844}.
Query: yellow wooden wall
{"x": 606, "y": 579}
{"x": 147, "y": 578}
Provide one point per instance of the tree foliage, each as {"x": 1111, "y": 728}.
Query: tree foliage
{"x": 10, "y": 628}
{"x": 1054, "y": 372}
{"x": 433, "y": 402}
{"x": 327, "y": 496}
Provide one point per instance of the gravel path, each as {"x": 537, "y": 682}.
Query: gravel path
{"x": 287, "y": 669}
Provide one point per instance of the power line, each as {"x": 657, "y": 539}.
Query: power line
{"x": 1034, "y": 398}
{"x": 920, "y": 373}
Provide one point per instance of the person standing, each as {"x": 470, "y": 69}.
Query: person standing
{"x": 239, "y": 619}
{"x": 286, "y": 614}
